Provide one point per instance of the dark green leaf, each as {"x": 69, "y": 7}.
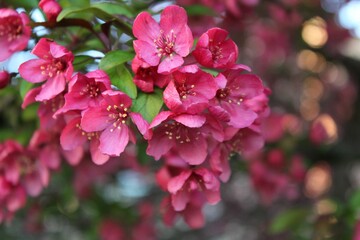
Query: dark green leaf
{"x": 113, "y": 64}
{"x": 115, "y": 58}
{"x": 200, "y": 10}
{"x": 288, "y": 220}
{"x": 81, "y": 61}
{"x": 115, "y": 9}
{"x": 148, "y": 104}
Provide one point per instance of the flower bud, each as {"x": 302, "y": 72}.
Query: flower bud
{"x": 4, "y": 79}
{"x": 51, "y": 9}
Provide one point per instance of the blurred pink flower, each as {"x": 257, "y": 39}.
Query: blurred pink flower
{"x": 14, "y": 32}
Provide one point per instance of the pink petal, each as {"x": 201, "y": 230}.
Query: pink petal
{"x": 113, "y": 140}
{"x": 147, "y": 52}
{"x": 33, "y": 184}
{"x": 170, "y": 63}
{"x": 71, "y": 136}
{"x": 146, "y": 28}
{"x": 192, "y": 121}
{"x": 158, "y": 145}
{"x": 194, "y": 217}
{"x": 42, "y": 48}
{"x": 95, "y": 119}
{"x": 186, "y": 151}
{"x": 171, "y": 97}
{"x": 51, "y": 88}
{"x": 31, "y": 72}
{"x": 50, "y": 156}
{"x": 140, "y": 122}
{"x": 96, "y": 155}
{"x": 30, "y": 97}
{"x": 176, "y": 183}
{"x": 73, "y": 157}
{"x": 173, "y": 18}
{"x": 180, "y": 199}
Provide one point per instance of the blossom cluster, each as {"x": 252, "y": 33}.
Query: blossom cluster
{"x": 213, "y": 108}
{"x": 207, "y": 116}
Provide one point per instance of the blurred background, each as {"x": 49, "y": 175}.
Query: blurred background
{"x": 303, "y": 185}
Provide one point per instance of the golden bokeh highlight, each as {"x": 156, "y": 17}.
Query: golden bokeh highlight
{"x": 318, "y": 180}
{"x": 329, "y": 126}
{"x": 311, "y": 61}
{"x": 313, "y": 88}
{"x": 309, "y": 109}
{"x": 314, "y": 32}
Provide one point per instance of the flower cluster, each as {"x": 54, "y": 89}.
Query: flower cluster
{"x": 214, "y": 107}
{"x": 208, "y": 116}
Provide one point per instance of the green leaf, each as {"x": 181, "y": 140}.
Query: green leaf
{"x": 115, "y": 58}
{"x": 24, "y": 87}
{"x": 115, "y": 9}
{"x": 82, "y": 61}
{"x": 199, "y": 10}
{"x": 104, "y": 13}
{"x": 288, "y": 220}
{"x": 148, "y": 104}
{"x": 113, "y": 65}
{"x": 29, "y": 4}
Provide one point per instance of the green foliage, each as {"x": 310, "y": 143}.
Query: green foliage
{"x": 114, "y": 65}
{"x": 289, "y": 220}
{"x": 81, "y": 62}
{"x": 25, "y": 86}
{"x": 148, "y": 104}
{"x": 200, "y": 10}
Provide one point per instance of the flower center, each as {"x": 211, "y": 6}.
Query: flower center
{"x": 55, "y": 67}
{"x": 118, "y": 115}
{"x": 216, "y": 51}
{"x": 165, "y": 44}
{"x": 185, "y": 90}
{"x": 88, "y": 135}
{"x": 11, "y": 28}
{"x": 91, "y": 89}
{"x": 223, "y": 94}
{"x": 180, "y": 133}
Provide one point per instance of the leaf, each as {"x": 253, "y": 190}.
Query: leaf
{"x": 199, "y": 10}
{"x": 115, "y": 9}
{"x": 113, "y": 65}
{"x": 24, "y": 87}
{"x": 148, "y": 104}
{"x": 82, "y": 61}
{"x": 115, "y": 58}
{"x": 288, "y": 220}
{"x": 94, "y": 11}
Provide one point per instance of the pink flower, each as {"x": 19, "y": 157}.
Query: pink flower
{"x": 85, "y": 91}
{"x": 188, "y": 181}
{"x": 146, "y": 76}
{"x": 180, "y": 133}
{"x": 110, "y": 118}
{"x": 14, "y": 32}
{"x": 190, "y": 91}
{"x": 4, "y": 79}
{"x": 51, "y": 9}
{"x": 73, "y": 136}
{"x": 165, "y": 43}
{"x": 192, "y": 214}
{"x": 215, "y": 50}
{"x": 54, "y": 67}
{"x": 111, "y": 230}
{"x": 234, "y": 98}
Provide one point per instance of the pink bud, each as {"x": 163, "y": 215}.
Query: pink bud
{"x": 51, "y": 9}
{"x": 4, "y": 79}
